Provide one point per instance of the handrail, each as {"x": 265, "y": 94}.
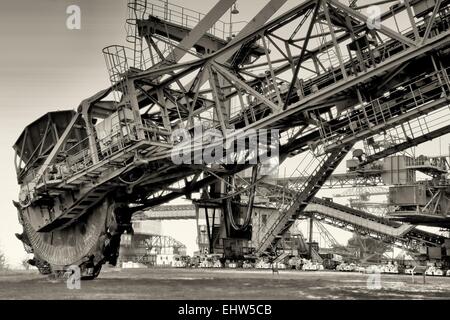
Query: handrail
{"x": 380, "y": 107}
{"x": 183, "y": 16}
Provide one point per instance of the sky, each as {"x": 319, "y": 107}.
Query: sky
{"x": 46, "y": 67}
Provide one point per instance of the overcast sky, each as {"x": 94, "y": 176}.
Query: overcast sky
{"x": 45, "y": 67}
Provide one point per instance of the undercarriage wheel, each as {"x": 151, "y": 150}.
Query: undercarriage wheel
{"x": 42, "y": 266}
{"x": 86, "y": 243}
{"x": 92, "y": 274}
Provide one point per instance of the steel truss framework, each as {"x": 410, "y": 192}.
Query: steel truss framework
{"x": 349, "y": 219}
{"x": 139, "y": 247}
{"x": 343, "y": 217}
{"x": 412, "y": 239}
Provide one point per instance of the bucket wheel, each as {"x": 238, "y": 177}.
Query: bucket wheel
{"x": 88, "y": 243}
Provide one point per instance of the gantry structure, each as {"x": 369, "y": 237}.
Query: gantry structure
{"x": 320, "y": 77}
{"x": 145, "y": 248}
{"x": 321, "y": 211}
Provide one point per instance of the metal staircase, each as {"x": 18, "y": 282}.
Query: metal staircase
{"x": 315, "y": 256}
{"x": 305, "y": 191}
{"x": 281, "y": 257}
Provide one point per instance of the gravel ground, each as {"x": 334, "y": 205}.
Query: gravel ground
{"x": 222, "y": 284}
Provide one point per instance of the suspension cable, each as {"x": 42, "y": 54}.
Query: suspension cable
{"x": 248, "y": 216}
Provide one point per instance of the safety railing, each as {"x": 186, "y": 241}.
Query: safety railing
{"x": 245, "y": 105}
{"x": 407, "y": 96}
{"x": 154, "y": 133}
{"x": 307, "y": 169}
{"x": 182, "y": 16}
{"x": 133, "y": 36}
{"x": 412, "y": 129}
{"x": 424, "y": 161}
{"x": 385, "y": 50}
{"x": 79, "y": 157}
{"x": 119, "y": 59}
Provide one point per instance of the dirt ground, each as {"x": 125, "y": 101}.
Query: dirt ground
{"x": 222, "y": 284}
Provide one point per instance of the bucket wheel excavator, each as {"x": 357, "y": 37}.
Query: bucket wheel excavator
{"x": 315, "y": 79}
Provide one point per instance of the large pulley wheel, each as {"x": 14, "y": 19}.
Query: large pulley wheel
{"x": 82, "y": 243}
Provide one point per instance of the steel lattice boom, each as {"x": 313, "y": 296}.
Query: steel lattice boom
{"x": 322, "y": 76}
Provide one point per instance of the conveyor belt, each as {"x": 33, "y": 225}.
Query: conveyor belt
{"x": 388, "y": 230}
{"x": 338, "y": 215}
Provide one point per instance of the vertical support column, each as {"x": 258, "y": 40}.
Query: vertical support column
{"x": 221, "y": 111}
{"x": 333, "y": 36}
{"x": 310, "y": 240}
{"x": 197, "y": 218}
{"x": 164, "y": 112}
{"x": 134, "y": 104}
{"x": 91, "y": 134}
{"x": 443, "y": 70}
{"x": 209, "y": 231}
{"x": 438, "y": 72}
{"x": 272, "y": 73}
{"x": 358, "y": 51}
{"x": 302, "y": 54}
{"x": 411, "y": 20}
{"x": 431, "y": 22}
